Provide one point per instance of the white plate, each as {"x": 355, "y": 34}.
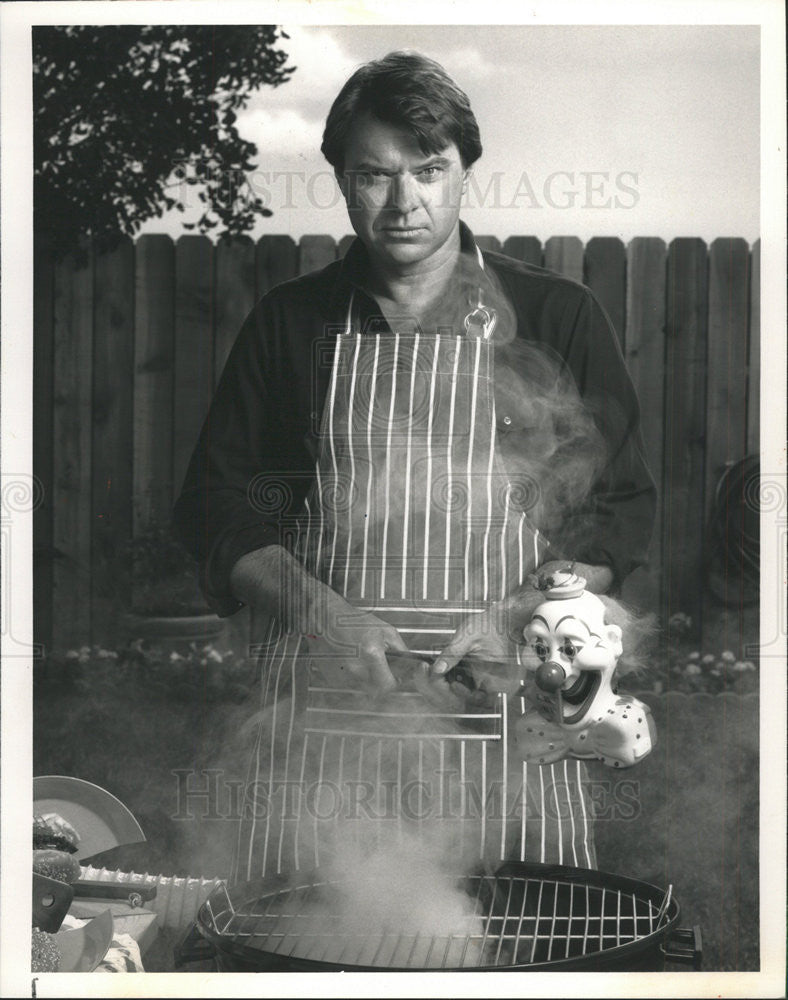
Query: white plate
{"x": 101, "y": 820}
{"x": 82, "y": 948}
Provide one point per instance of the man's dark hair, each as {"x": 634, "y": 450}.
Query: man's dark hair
{"x": 410, "y": 91}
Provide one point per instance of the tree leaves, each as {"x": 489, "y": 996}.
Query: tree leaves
{"x": 125, "y": 116}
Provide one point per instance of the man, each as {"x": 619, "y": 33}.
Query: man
{"x": 353, "y": 477}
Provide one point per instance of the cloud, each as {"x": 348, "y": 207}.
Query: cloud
{"x": 280, "y": 133}
{"x": 468, "y": 63}
{"x": 321, "y": 67}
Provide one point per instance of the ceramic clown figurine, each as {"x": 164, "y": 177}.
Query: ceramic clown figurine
{"x": 575, "y": 710}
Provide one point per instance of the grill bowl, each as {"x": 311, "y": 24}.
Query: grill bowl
{"x": 528, "y": 917}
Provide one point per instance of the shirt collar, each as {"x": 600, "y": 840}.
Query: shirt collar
{"x": 354, "y": 268}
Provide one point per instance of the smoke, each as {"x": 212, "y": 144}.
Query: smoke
{"x": 379, "y": 820}
{"x": 549, "y": 438}
{"x": 550, "y": 444}
{"x": 396, "y": 904}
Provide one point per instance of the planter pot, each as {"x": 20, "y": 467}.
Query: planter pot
{"x": 175, "y": 632}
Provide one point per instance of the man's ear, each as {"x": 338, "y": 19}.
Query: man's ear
{"x": 466, "y": 178}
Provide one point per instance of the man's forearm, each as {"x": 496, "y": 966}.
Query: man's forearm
{"x": 270, "y": 579}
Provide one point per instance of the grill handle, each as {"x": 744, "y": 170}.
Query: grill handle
{"x": 684, "y": 945}
{"x": 134, "y": 894}
{"x": 193, "y": 947}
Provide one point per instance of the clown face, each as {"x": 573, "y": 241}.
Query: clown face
{"x": 575, "y": 655}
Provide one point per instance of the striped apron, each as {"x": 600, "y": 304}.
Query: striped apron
{"x": 411, "y": 517}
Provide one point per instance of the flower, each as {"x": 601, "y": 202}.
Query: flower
{"x": 709, "y": 658}
{"x": 728, "y": 656}
{"x": 692, "y": 669}
{"x": 680, "y": 622}
{"x": 695, "y": 655}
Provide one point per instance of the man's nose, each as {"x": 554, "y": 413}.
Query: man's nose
{"x": 403, "y": 194}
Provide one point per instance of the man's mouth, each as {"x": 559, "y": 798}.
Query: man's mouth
{"x": 402, "y": 231}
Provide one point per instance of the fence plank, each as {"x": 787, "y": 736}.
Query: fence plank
{"x": 154, "y": 331}
{"x": 726, "y": 405}
{"x": 112, "y": 444}
{"x": 193, "y": 347}
{"x": 315, "y": 252}
{"x": 754, "y": 359}
{"x": 73, "y": 371}
{"x": 235, "y": 294}
{"x": 726, "y": 400}
{"x": 685, "y": 419}
{"x": 276, "y": 260}
{"x": 645, "y": 357}
{"x": 605, "y": 275}
{"x": 564, "y": 255}
{"x": 344, "y": 244}
{"x": 43, "y": 429}
{"x": 525, "y": 248}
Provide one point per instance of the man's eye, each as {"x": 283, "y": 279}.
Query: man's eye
{"x": 540, "y": 649}
{"x": 430, "y": 173}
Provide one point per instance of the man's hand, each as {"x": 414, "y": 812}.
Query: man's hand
{"x": 348, "y": 640}
{"x": 354, "y": 641}
{"x": 491, "y": 635}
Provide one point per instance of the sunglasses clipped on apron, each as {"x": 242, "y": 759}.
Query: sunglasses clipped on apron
{"x": 413, "y": 518}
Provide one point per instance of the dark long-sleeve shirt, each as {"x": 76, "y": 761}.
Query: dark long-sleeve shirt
{"x": 255, "y": 459}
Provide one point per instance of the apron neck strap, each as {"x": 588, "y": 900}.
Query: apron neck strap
{"x": 481, "y": 318}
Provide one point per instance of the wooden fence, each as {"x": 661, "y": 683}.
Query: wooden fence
{"x": 129, "y": 345}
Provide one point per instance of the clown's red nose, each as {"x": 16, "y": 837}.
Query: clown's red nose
{"x": 550, "y": 676}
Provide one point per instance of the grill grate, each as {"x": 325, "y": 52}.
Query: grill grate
{"x": 512, "y": 921}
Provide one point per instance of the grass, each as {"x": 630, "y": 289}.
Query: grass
{"x": 696, "y": 820}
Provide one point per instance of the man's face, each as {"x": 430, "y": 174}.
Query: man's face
{"x": 404, "y": 205}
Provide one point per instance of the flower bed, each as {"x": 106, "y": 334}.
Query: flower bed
{"x": 680, "y": 666}
{"x": 154, "y": 670}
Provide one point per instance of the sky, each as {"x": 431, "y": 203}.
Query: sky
{"x": 587, "y": 130}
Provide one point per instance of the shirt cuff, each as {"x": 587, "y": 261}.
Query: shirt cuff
{"x": 224, "y": 555}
